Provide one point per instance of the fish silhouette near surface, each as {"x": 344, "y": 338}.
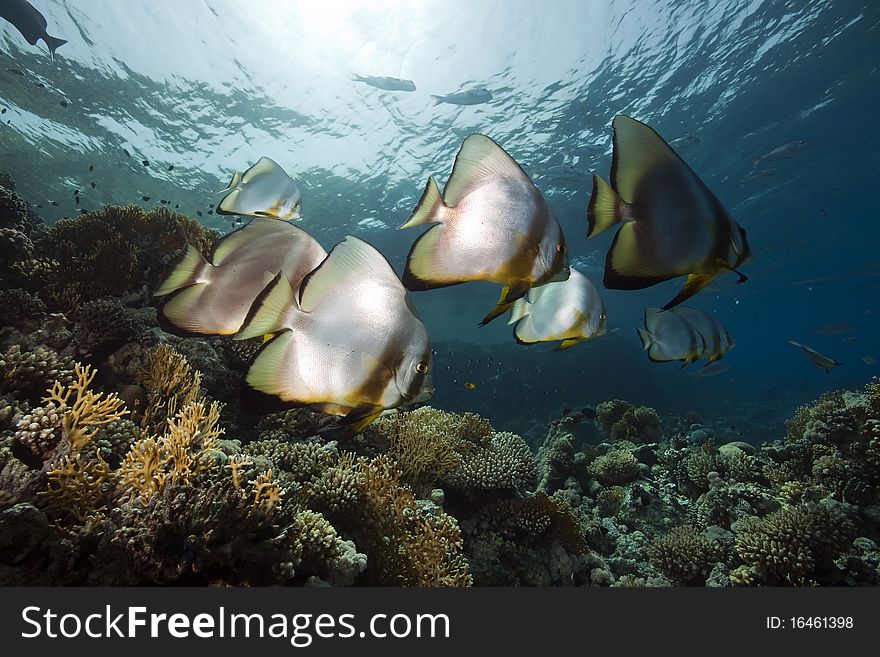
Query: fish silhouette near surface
{"x": 474, "y": 96}
{"x": 673, "y": 225}
{"x": 492, "y": 224}
{"x": 30, "y": 22}
{"x": 386, "y": 83}
{"x": 783, "y": 152}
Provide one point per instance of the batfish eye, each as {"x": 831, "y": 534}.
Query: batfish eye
{"x": 422, "y": 367}
{"x": 602, "y": 316}
{"x": 560, "y": 248}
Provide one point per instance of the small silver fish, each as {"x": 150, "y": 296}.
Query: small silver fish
{"x": 30, "y": 22}
{"x": 667, "y": 337}
{"x": 571, "y": 311}
{"x": 835, "y": 329}
{"x": 869, "y": 360}
{"x": 686, "y": 142}
{"x": 493, "y": 224}
{"x": 348, "y": 343}
{"x": 673, "y": 225}
{"x": 264, "y": 190}
{"x": 385, "y": 83}
{"x": 213, "y": 297}
{"x": 780, "y": 153}
{"x": 819, "y": 360}
{"x": 474, "y": 96}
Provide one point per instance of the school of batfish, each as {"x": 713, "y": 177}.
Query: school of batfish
{"x": 340, "y": 334}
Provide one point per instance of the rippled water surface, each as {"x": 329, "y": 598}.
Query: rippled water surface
{"x": 194, "y": 90}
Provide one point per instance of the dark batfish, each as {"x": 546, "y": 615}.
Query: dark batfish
{"x": 213, "y": 297}
{"x": 385, "y": 83}
{"x": 30, "y": 22}
{"x": 819, "y": 360}
{"x": 673, "y": 225}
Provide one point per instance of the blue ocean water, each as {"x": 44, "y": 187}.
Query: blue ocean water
{"x": 209, "y": 87}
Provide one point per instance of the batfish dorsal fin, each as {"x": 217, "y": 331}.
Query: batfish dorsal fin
{"x": 350, "y": 261}
{"x": 479, "y": 158}
{"x": 264, "y": 165}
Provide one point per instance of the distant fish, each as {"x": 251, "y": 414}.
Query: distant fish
{"x": 93, "y": 184}
{"x": 386, "y": 83}
{"x": 667, "y": 337}
{"x": 63, "y": 103}
{"x": 264, "y": 190}
{"x": 492, "y": 225}
{"x": 869, "y": 360}
{"x": 758, "y": 174}
{"x": 350, "y": 343}
{"x": 780, "y": 153}
{"x": 571, "y": 311}
{"x": 213, "y": 297}
{"x": 470, "y": 386}
{"x": 684, "y": 143}
{"x": 822, "y": 362}
{"x": 171, "y": 167}
{"x": 145, "y": 198}
{"x": 716, "y": 337}
{"x": 146, "y": 163}
{"x": 568, "y": 171}
{"x": 474, "y": 96}
{"x": 713, "y": 369}
{"x": 127, "y": 154}
{"x": 30, "y": 22}
{"x": 835, "y": 329}
{"x": 91, "y": 167}
{"x": 673, "y": 225}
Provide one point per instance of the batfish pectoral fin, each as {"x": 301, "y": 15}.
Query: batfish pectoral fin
{"x": 726, "y": 266}
{"x": 694, "y": 283}
{"x": 520, "y": 309}
{"x": 183, "y": 271}
{"x": 359, "y": 418}
{"x": 428, "y": 208}
{"x": 508, "y": 295}
{"x": 270, "y": 310}
{"x": 604, "y": 209}
{"x": 568, "y": 344}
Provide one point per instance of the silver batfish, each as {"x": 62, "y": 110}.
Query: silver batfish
{"x": 264, "y": 190}
{"x": 667, "y": 336}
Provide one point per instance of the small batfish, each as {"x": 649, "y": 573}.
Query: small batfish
{"x": 718, "y": 340}
{"x": 386, "y": 84}
{"x": 819, "y": 360}
{"x": 475, "y": 96}
{"x": 492, "y": 225}
{"x": 713, "y": 369}
{"x": 672, "y": 224}
{"x": 684, "y": 143}
{"x": 264, "y": 190}
{"x": 349, "y": 342}
{"x": 571, "y": 311}
{"x": 212, "y": 297}
{"x": 869, "y": 360}
{"x": 30, "y": 22}
{"x": 780, "y": 153}
{"x": 667, "y": 336}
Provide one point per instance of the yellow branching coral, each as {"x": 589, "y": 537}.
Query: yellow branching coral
{"x": 76, "y": 487}
{"x": 236, "y": 464}
{"x": 183, "y": 451}
{"x": 142, "y": 472}
{"x": 89, "y": 409}
{"x": 412, "y": 549}
{"x": 267, "y": 494}
{"x": 171, "y": 383}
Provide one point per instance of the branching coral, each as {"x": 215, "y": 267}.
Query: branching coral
{"x": 302, "y": 461}
{"x": 795, "y": 545}
{"x": 77, "y": 486}
{"x": 505, "y": 463}
{"x": 170, "y": 383}
{"x": 28, "y": 374}
{"x": 684, "y": 555}
{"x": 113, "y": 252}
{"x": 618, "y": 466}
